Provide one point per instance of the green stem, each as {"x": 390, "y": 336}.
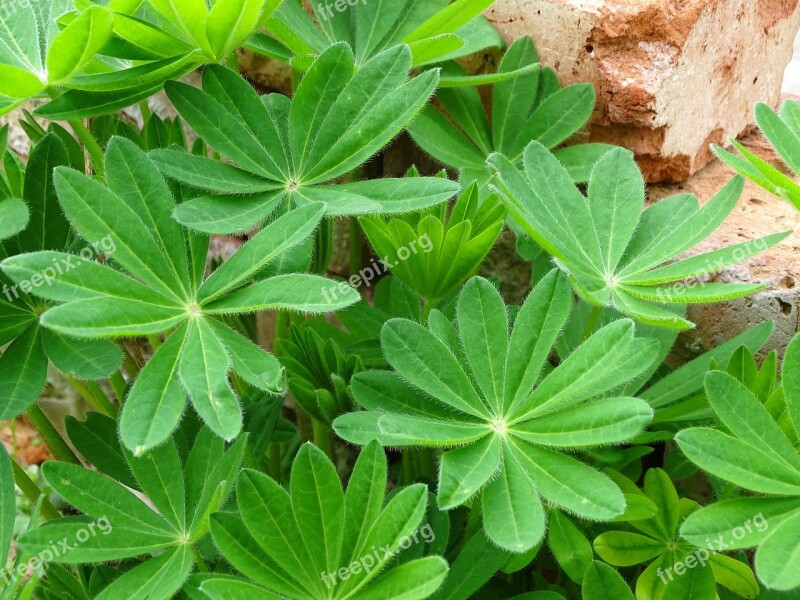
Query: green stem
{"x": 101, "y": 397}
{"x": 117, "y": 382}
{"x": 86, "y": 393}
{"x": 91, "y": 145}
{"x": 355, "y": 246}
{"x": 275, "y": 461}
{"x": 201, "y": 564}
{"x": 427, "y": 307}
{"x": 32, "y": 492}
{"x": 144, "y": 108}
{"x": 155, "y": 342}
{"x": 52, "y": 439}
{"x": 323, "y": 438}
{"x": 591, "y": 322}
{"x": 282, "y": 324}
{"x": 304, "y": 425}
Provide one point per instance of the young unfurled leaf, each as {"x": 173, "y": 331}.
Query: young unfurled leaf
{"x": 434, "y": 252}
{"x": 291, "y": 543}
{"x": 286, "y": 150}
{"x": 466, "y": 397}
{"x": 611, "y": 248}
{"x": 148, "y": 287}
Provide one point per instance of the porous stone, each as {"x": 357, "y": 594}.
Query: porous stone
{"x": 671, "y": 76}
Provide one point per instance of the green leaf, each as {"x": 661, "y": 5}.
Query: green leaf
{"x": 318, "y": 506}
{"x": 48, "y": 229}
{"x": 465, "y": 470}
{"x": 208, "y": 174}
{"x": 415, "y": 580}
{"x": 550, "y": 124}
{"x": 77, "y": 44}
{"x": 23, "y": 373}
{"x": 238, "y": 546}
{"x": 397, "y": 430}
{"x": 747, "y": 419}
{"x": 224, "y": 130}
{"x": 513, "y": 515}
{"x": 97, "y": 440}
{"x": 98, "y": 214}
{"x": 694, "y": 583}
{"x": 8, "y": 506}
{"x": 448, "y": 20}
{"x": 267, "y": 511}
{"x": 616, "y": 199}
{"x": 14, "y": 217}
{"x": 572, "y": 550}
{"x": 96, "y": 494}
{"x": 424, "y": 361}
{"x": 164, "y": 574}
{"x": 96, "y": 359}
{"x": 569, "y": 483}
{"x": 483, "y": 327}
{"x": 791, "y": 381}
{"x": 133, "y": 177}
{"x": 477, "y": 562}
{"x": 108, "y": 544}
{"x": 601, "y": 582}
{"x": 276, "y": 238}
{"x": 231, "y": 21}
{"x": 157, "y": 399}
{"x": 738, "y": 462}
{"x": 624, "y": 548}
{"x": 160, "y": 475}
{"x": 363, "y": 499}
{"x": 256, "y": 366}
{"x": 597, "y": 423}
{"x": 296, "y": 292}
{"x": 754, "y": 519}
{"x": 778, "y": 557}
{"x": 204, "y": 367}
{"x": 735, "y": 575}
{"x": 77, "y": 104}
{"x": 224, "y": 214}
{"x": 111, "y": 317}
{"x": 536, "y": 328}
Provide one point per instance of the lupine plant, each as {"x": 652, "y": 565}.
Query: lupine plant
{"x": 258, "y": 412}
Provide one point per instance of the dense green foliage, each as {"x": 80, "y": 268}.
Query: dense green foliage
{"x": 266, "y": 422}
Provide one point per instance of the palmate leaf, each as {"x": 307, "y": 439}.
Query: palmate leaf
{"x": 298, "y": 542}
{"x": 35, "y": 55}
{"x": 148, "y": 286}
{"x": 656, "y": 543}
{"x": 25, "y": 362}
{"x": 755, "y": 455}
{"x": 476, "y": 396}
{"x": 435, "y": 30}
{"x": 118, "y": 524}
{"x": 610, "y": 247}
{"x": 528, "y": 106}
{"x": 285, "y": 150}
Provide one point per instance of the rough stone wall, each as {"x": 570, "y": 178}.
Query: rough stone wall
{"x": 672, "y": 76}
